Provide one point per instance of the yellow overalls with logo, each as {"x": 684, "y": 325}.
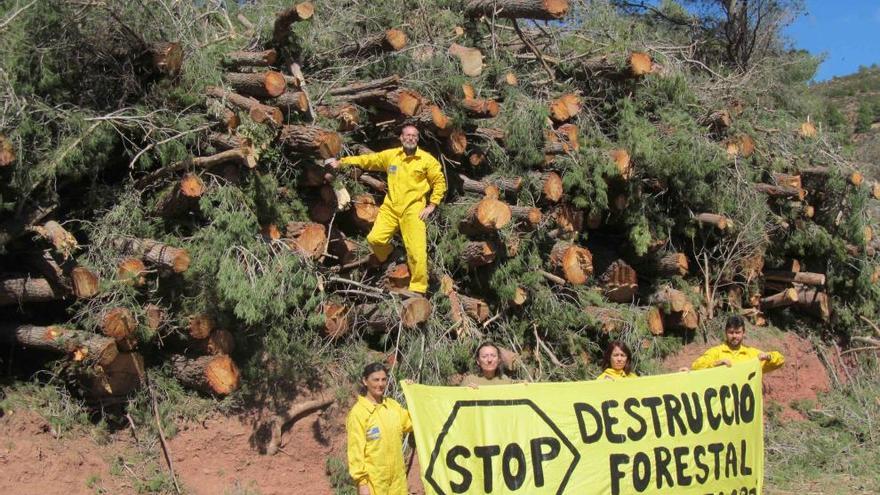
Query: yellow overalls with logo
{"x": 409, "y": 180}
{"x": 375, "y": 443}
{"x": 744, "y": 353}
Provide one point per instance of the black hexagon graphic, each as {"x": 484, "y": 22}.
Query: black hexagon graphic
{"x": 429, "y": 473}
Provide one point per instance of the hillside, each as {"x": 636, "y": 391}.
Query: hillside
{"x": 173, "y": 244}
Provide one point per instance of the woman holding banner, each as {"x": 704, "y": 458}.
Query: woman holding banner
{"x": 375, "y": 427}
{"x": 617, "y": 362}
{"x": 488, "y": 357}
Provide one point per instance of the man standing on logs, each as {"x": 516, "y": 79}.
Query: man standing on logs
{"x": 412, "y": 173}
{"x": 733, "y": 351}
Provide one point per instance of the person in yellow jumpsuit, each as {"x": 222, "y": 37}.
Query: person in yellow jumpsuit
{"x": 734, "y": 351}
{"x": 375, "y": 427}
{"x": 412, "y": 173}
{"x": 617, "y": 362}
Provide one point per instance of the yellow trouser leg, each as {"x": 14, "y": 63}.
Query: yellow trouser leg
{"x": 415, "y": 238}
{"x": 383, "y": 230}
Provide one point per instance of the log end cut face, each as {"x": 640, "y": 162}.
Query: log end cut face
{"x": 577, "y": 265}
{"x": 222, "y": 375}
{"x": 492, "y": 213}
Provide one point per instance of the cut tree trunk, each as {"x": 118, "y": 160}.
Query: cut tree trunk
{"x": 218, "y": 111}
{"x": 806, "y": 278}
{"x": 307, "y": 238}
{"x": 475, "y": 308}
{"x": 530, "y": 216}
{"x": 855, "y": 178}
{"x": 336, "y": 319}
{"x": 781, "y": 191}
{"x": 154, "y": 252}
{"x": 456, "y": 142}
{"x": 166, "y": 57}
{"x": 311, "y": 139}
{"x": 155, "y": 317}
{"x": 365, "y": 212}
{"x": 267, "y": 84}
{"x": 62, "y": 240}
{"x": 210, "y": 374}
{"x": 132, "y": 271}
{"x": 672, "y": 265}
{"x": 609, "y": 320}
{"x": 14, "y": 290}
{"x": 225, "y": 142}
{"x": 720, "y": 222}
{"x": 718, "y": 121}
{"x": 785, "y": 298}
{"x": 617, "y": 67}
{"x": 565, "y": 107}
{"x": 788, "y": 180}
{"x": 238, "y": 59}
{"x": 234, "y": 156}
{"x": 569, "y": 221}
{"x": 488, "y": 215}
{"x": 385, "y": 83}
{"x": 471, "y": 59}
{"x": 415, "y": 311}
{"x": 507, "y": 185}
{"x": 546, "y": 10}
{"x": 398, "y": 100}
{"x": 814, "y": 302}
{"x": 687, "y": 320}
{"x": 183, "y": 198}
{"x": 344, "y": 249}
{"x": 433, "y": 118}
{"x": 65, "y": 276}
{"x": 347, "y": 115}
{"x": 391, "y": 40}
{"x": 7, "y": 153}
{"x": 619, "y": 282}
{"x": 118, "y": 323}
{"x": 622, "y": 162}
{"x": 200, "y": 326}
{"x": 258, "y": 112}
{"x": 396, "y": 277}
{"x": 291, "y": 103}
{"x": 78, "y": 345}
{"x": 552, "y": 189}
{"x": 477, "y": 253}
{"x": 670, "y": 300}
{"x": 284, "y": 19}
{"x": 220, "y": 341}
{"x": 480, "y": 108}
{"x": 122, "y": 376}
{"x": 574, "y": 262}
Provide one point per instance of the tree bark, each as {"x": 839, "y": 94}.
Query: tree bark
{"x": 477, "y": 309}
{"x": 814, "y": 303}
{"x": 123, "y": 375}
{"x": 154, "y": 252}
{"x": 210, "y": 374}
{"x": 619, "y": 282}
{"x": 617, "y": 67}
{"x": 230, "y": 156}
{"x": 478, "y": 253}
{"x": 258, "y": 112}
{"x": 397, "y": 277}
{"x": 78, "y": 345}
{"x": 780, "y": 300}
{"x": 781, "y": 191}
{"x": 26, "y": 290}
{"x": 398, "y": 100}
{"x": 855, "y": 177}
{"x": 238, "y": 59}
{"x": 291, "y": 102}
{"x": 63, "y": 242}
{"x": 720, "y": 222}
{"x": 283, "y": 20}
{"x": 266, "y": 84}
{"x": 670, "y": 300}
{"x": 806, "y": 278}
{"x": 574, "y": 262}
{"x": 672, "y": 265}
{"x": 510, "y": 185}
{"x": 569, "y": 220}
{"x": 346, "y": 114}
{"x": 220, "y": 341}
{"x": 391, "y": 40}
{"x": 480, "y": 108}
{"x": 546, "y": 10}
{"x": 788, "y": 180}
{"x": 530, "y": 216}
{"x": 311, "y": 139}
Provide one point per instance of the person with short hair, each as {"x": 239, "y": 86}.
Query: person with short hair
{"x": 375, "y": 427}
{"x": 490, "y": 366}
{"x": 617, "y": 362}
{"x": 412, "y": 173}
{"x": 732, "y": 350}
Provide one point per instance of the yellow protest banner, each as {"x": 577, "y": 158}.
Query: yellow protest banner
{"x": 684, "y": 433}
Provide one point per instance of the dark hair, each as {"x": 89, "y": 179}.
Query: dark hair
{"x": 616, "y": 344}
{"x": 372, "y": 368}
{"x": 735, "y": 321}
{"x": 489, "y": 343}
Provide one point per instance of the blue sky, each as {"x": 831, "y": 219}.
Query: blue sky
{"x": 846, "y": 31}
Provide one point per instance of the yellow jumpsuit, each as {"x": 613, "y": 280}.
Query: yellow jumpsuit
{"x": 375, "y": 443}
{"x": 409, "y": 180}
{"x": 744, "y": 353}
{"x": 613, "y": 374}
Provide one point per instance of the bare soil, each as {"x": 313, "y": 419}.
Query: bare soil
{"x": 216, "y": 456}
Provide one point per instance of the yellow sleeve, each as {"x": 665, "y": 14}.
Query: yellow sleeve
{"x": 707, "y": 360}
{"x": 406, "y": 421}
{"x": 776, "y": 361}
{"x": 437, "y": 180}
{"x": 375, "y": 162}
{"x": 356, "y": 428}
